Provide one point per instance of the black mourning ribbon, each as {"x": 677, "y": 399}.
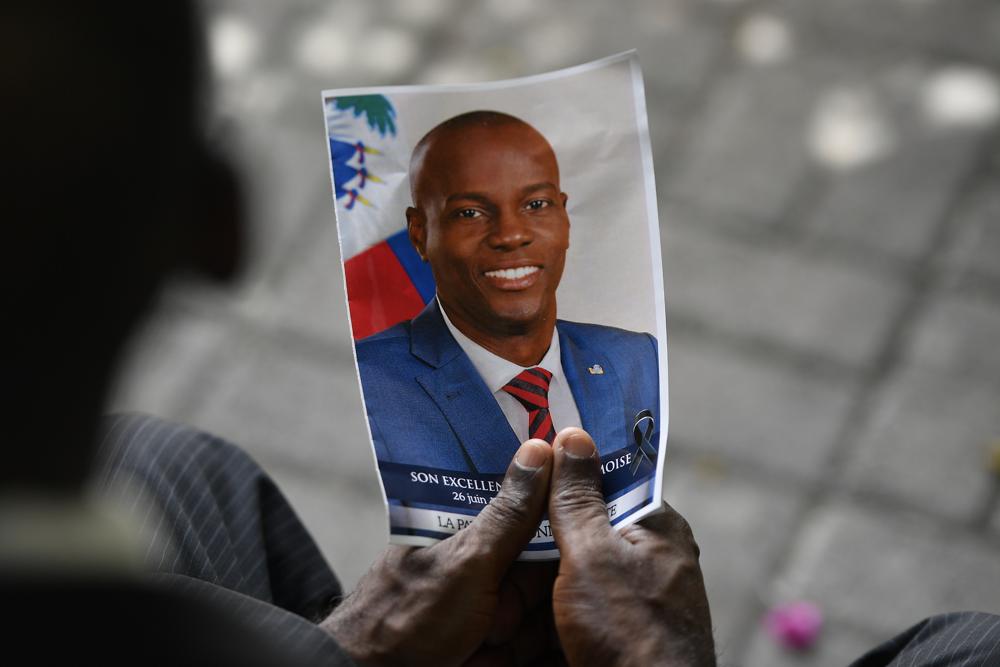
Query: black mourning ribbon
{"x": 642, "y": 433}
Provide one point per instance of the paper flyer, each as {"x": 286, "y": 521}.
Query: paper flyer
{"x": 503, "y": 280}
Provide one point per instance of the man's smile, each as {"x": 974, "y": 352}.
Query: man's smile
{"x": 515, "y": 278}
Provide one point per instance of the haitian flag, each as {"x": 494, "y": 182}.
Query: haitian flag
{"x": 387, "y": 282}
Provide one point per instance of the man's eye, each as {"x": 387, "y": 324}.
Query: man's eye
{"x": 468, "y": 213}
{"x": 536, "y": 204}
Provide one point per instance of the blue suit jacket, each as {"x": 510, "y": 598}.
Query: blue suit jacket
{"x": 428, "y": 406}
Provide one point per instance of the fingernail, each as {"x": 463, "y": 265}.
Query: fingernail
{"x": 578, "y": 445}
{"x": 531, "y": 455}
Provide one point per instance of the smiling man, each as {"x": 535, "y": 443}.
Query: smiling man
{"x": 487, "y": 364}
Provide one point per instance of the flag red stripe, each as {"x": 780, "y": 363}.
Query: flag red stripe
{"x": 379, "y": 291}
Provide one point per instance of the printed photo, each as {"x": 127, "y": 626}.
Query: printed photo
{"x": 503, "y": 280}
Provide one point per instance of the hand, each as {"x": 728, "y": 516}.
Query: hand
{"x": 629, "y": 597}
{"x": 437, "y": 605}
{"x": 523, "y": 631}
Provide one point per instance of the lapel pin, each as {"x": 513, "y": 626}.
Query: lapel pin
{"x": 596, "y": 370}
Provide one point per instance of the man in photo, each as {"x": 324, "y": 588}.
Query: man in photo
{"x": 487, "y": 364}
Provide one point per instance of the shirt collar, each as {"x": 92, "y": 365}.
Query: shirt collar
{"x": 497, "y": 371}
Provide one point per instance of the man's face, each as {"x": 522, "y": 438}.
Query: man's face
{"x": 492, "y": 222}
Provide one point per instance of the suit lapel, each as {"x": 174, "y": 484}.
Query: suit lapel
{"x": 598, "y": 396}
{"x": 463, "y": 398}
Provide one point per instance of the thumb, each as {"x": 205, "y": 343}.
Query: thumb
{"x": 577, "y": 511}
{"x": 509, "y": 521}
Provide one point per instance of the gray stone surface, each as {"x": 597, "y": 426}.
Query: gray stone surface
{"x": 514, "y": 37}
{"x": 927, "y": 443}
{"x": 746, "y": 154}
{"x": 666, "y": 124}
{"x": 977, "y": 245}
{"x": 309, "y": 298}
{"x": 677, "y": 43}
{"x": 958, "y": 334}
{"x": 162, "y": 362}
{"x": 288, "y": 403}
{"x": 285, "y": 193}
{"x": 896, "y": 203}
{"x": 739, "y": 526}
{"x": 886, "y": 570}
{"x": 731, "y": 405}
{"x": 809, "y": 303}
{"x": 967, "y": 27}
{"x": 837, "y": 646}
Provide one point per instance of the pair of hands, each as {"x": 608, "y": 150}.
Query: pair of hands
{"x": 629, "y": 597}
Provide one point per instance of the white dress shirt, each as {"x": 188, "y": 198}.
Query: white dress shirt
{"x": 497, "y": 371}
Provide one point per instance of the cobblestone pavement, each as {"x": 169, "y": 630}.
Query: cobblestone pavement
{"x": 827, "y": 174}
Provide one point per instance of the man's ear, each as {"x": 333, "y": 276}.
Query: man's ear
{"x": 416, "y": 226}
{"x": 565, "y": 198}
{"x": 217, "y": 238}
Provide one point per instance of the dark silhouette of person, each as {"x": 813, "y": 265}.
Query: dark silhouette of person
{"x": 108, "y": 186}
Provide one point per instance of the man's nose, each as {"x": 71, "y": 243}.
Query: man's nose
{"x": 510, "y": 231}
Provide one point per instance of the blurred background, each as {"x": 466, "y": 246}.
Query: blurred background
{"x": 827, "y": 173}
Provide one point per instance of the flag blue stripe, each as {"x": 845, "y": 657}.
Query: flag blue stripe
{"x": 417, "y": 269}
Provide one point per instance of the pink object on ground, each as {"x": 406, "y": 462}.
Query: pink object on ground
{"x": 795, "y": 625}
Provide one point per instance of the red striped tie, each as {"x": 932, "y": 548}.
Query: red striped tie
{"x": 531, "y": 389}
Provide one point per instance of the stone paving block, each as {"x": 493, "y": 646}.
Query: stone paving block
{"x": 927, "y": 443}
{"x": 977, "y": 245}
{"x": 272, "y": 112}
{"x": 288, "y": 406}
{"x": 532, "y": 42}
{"x": 967, "y": 27}
{"x": 813, "y": 304}
{"x": 958, "y": 333}
{"x": 346, "y": 44}
{"x": 747, "y": 153}
{"x": 666, "y": 122}
{"x": 995, "y": 524}
{"x": 308, "y": 295}
{"x": 346, "y": 518}
{"x": 724, "y": 402}
{"x": 739, "y": 526}
{"x": 265, "y": 15}
{"x": 162, "y": 361}
{"x": 677, "y": 44}
{"x": 500, "y": 40}
{"x": 896, "y": 203}
{"x": 838, "y": 646}
{"x": 285, "y": 188}
{"x": 887, "y": 570}
{"x": 513, "y": 38}
{"x": 244, "y": 38}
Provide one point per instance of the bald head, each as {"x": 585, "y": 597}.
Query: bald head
{"x": 458, "y": 131}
